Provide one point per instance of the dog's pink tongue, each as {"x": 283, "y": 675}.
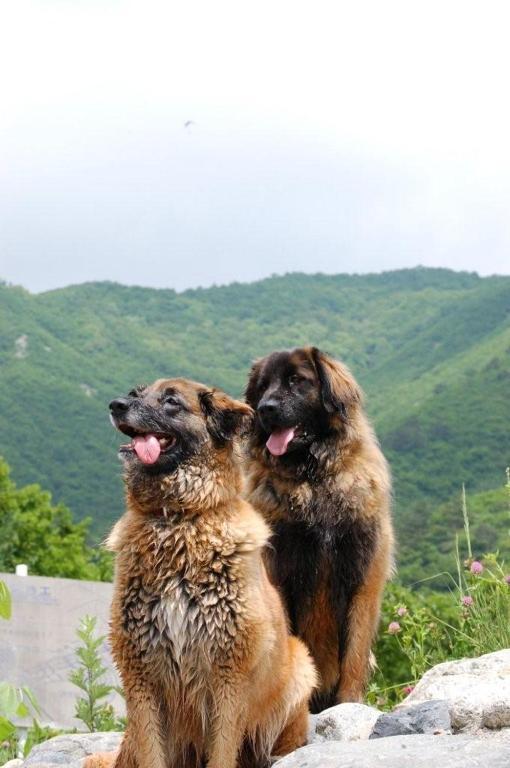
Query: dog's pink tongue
{"x": 147, "y": 448}
{"x": 278, "y": 441}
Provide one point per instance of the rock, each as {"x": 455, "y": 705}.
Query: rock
{"x": 312, "y": 723}
{"x": 344, "y": 722}
{"x": 16, "y": 763}
{"x": 419, "y": 751}
{"x": 477, "y": 691}
{"x": 70, "y": 750}
{"x": 428, "y": 717}
{"x": 496, "y": 716}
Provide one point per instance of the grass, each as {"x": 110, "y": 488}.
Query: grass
{"x": 470, "y": 619}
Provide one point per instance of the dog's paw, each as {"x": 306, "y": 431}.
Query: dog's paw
{"x": 100, "y": 760}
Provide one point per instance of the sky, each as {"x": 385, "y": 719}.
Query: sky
{"x": 184, "y": 144}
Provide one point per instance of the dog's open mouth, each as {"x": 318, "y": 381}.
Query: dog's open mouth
{"x": 148, "y": 446}
{"x": 279, "y": 440}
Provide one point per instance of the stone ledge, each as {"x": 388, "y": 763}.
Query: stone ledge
{"x": 404, "y": 752}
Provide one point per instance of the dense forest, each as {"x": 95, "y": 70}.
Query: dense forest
{"x": 430, "y": 347}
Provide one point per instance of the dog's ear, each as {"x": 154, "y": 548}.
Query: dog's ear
{"x": 250, "y": 393}
{"x": 339, "y": 389}
{"x": 224, "y": 416}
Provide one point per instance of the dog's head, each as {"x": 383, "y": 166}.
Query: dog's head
{"x": 171, "y": 423}
{"x": 300, "y": 396}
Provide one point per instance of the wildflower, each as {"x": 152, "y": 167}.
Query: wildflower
{"x": 476, "y": 567}
{"x": 507, "y": 579}
{"x": 467, "y": 600}
{"x": 402, "y": 611}
{"x": 407, "y": 689}
{"x": 393, "y": 628}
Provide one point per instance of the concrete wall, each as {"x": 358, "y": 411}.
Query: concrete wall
{"x": 37, "y": 644}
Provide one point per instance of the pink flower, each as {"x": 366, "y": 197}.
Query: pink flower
{"x": 408, "y": 689}
{"x": 507, "y": 579}
{"x": 467, "y": 600}
{"x": 476, "y": 567}
{"x": 402, "y": 611}
{"x": 393, "y": 628}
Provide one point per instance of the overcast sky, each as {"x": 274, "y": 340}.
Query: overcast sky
{"x": 325, "y": 136}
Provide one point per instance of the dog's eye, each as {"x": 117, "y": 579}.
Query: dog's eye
{"x": 171, "y": 400}
{"x": 295, "y": 380}
{"x": 137, "y": 391}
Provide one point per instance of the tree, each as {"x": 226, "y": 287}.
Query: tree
{"x": 45, "y": 536}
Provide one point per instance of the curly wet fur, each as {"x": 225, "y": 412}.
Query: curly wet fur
{"x": 198, "y": 633}
{"x": 328, "y": 503}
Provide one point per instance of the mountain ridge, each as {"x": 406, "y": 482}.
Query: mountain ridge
{"x": 431, "y": 348}
{"x": 417, "y": 271}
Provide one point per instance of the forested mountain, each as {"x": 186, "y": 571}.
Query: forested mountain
{"x": 430, "y": 347}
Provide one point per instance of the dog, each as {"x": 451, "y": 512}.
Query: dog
{"x": 210, "y": 672}
{"x": 317, "y": 475}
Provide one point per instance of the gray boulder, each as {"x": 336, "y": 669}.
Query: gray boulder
{"x": 71, "y": 750}
{"x": 344, "y": 722}
{"x": 477, "y": 691}
{"x": 428, "y": 717}
{"x": 420, "y": 751}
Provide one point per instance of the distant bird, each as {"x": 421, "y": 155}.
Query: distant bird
{"x": 189, "y": 123}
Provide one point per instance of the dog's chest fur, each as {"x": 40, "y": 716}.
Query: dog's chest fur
{"x": 181, "y": 597}
{"x": 319, "y": 542}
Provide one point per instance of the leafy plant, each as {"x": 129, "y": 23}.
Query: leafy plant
{"x": 5, "y": 601}
{"x": 36, "y": 734}
{"x": 424, "y": 629}
{"x": 411, "y": 640}
{"x": 92, "y": 709}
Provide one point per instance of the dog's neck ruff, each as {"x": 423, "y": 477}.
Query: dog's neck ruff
{"x": 201, "y": 484}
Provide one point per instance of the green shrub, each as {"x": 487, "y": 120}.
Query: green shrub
{"x": 92, "y": 709}
{"x": 421, "y": 629}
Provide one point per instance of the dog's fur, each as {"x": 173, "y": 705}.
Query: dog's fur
{"x": 210, "y": 673}
{"x": 327, "y": 499}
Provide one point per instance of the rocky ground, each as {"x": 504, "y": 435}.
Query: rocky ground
{"x": 458, "y": 716}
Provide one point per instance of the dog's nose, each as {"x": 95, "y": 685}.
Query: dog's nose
{"x": 119, "y": 406}
{"x": 268, "y": 408}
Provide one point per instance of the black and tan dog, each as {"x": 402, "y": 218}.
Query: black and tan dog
{"x": 316, "y": 473}
{"x": 198, "y": 632}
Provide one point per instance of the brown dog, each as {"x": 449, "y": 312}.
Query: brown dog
{"x": 317, "y": 475}
{"x": 199, "y": 635}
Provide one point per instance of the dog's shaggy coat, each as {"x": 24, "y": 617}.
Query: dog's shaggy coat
{"x": 327, "y": 499}
{"x": 210, "y": 673}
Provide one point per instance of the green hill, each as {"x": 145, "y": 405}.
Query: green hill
{"x": 431, "y": 348}
{"x": 489, "y": 519}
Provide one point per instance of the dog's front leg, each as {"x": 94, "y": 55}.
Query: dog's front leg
{"x": 362, "y": 629}
{"x": 228, "y": 724}
{"x": 143, "y": 745}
